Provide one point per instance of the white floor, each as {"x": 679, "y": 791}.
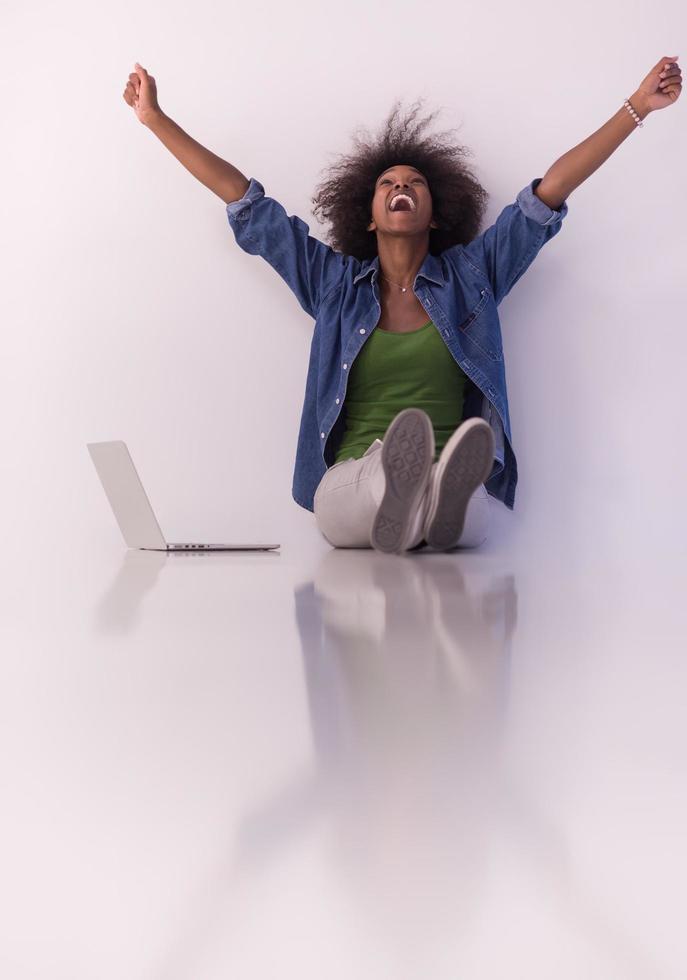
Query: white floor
{"x": 338, "y": 764}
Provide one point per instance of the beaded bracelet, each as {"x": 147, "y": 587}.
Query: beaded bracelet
{"x": 634, "y": 115}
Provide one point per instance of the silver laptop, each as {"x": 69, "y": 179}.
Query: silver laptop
{"x": 132, "y": 508}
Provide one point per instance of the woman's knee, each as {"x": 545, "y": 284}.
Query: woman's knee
{"x": 343, "y": 509}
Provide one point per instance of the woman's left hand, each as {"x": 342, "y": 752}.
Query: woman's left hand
{"x": 663, "y": 84}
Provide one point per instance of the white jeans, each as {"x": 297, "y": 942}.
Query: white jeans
{"x": 349, "y": 493}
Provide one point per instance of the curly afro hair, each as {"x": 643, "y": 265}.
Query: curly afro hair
{"x": 344, "y": 198}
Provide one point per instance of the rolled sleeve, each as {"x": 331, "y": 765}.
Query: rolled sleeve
{"x": 254, "y": 192}
{"x": 505, "y": 250}
{"x": 262, "y": 227}
{"x": 533, "y": 207}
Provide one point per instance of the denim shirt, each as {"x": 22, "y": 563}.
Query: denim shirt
{"x": 460, "y": 290}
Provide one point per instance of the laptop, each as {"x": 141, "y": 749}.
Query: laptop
{"x": 132, "y": 508}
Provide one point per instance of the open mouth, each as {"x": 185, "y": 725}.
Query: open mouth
{"x": 402, "y": 202}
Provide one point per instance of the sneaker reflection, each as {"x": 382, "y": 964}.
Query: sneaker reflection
{"x": 407, "y": 675}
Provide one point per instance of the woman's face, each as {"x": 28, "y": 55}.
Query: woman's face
{"x": 410, "y": 217}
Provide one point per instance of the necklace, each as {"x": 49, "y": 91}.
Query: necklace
{"x": 402, "y": 288}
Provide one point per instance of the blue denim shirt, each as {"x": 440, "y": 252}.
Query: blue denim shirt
{"x": 459, "y": 289}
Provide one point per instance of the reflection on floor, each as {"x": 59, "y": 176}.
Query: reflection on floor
{"x": 344, "y": 764}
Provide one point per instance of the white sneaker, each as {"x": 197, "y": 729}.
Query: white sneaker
{"x": 465, "y": 461}
{"x": 407, "y": 458}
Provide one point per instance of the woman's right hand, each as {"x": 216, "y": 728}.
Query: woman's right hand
{"x": 141, "y": 94}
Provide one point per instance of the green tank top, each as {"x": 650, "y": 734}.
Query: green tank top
{"x": 394, "y": 371}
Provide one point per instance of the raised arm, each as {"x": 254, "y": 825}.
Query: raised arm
{"x": 509, "y": 246}
{"x": 260, "y": 223}
{"x": 221, "y": 177}
{"x": 660, "y": 88}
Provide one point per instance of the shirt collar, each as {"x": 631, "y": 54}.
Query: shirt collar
{"x": 430, "y": 269}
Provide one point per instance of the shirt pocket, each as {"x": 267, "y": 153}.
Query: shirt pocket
{"x": 480, "y": 330}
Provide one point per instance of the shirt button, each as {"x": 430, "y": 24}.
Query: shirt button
{"x": 362, "y": 330}
{"x": 322, "y": 435}
{"x": 337, "y": 401}
{"x": 345, "y": 366}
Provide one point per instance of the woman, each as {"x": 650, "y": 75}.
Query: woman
{"x": 405, "y": 430}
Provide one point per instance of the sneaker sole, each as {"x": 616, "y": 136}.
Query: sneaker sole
{"x": 467, "y": 464}
{"x": 407, "y": 457}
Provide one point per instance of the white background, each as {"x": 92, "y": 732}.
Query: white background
{"x": 448, "y": 766}
{"x": 129, "y": 311}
